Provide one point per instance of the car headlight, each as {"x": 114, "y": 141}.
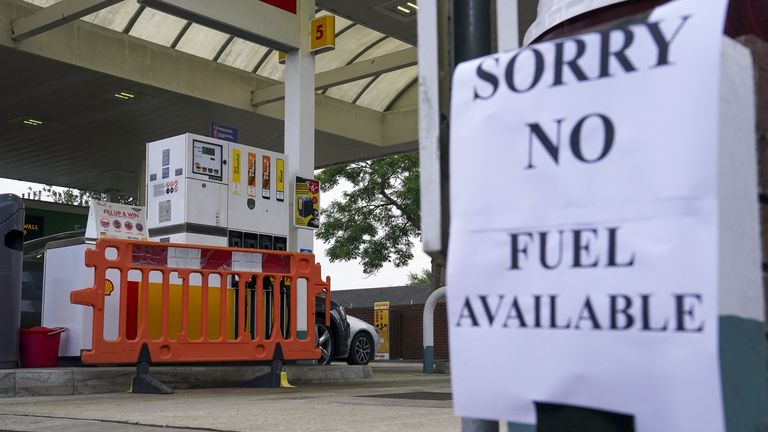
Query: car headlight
{"x": 343, "y": 313}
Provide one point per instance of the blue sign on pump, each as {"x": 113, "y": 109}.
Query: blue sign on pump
{"x": 225, "y": 133}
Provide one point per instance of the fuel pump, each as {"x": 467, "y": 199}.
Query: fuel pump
{"x": 207, "y": 191}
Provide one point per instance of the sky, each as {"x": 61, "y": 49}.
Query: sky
{"x": 344, "y": 275}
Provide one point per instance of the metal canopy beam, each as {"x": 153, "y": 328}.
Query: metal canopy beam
{"x": 345, "y": 74}
{"x": 400, "y": 126}
{"x": 251, "y": 20}
{"x": 54, "y": 16}
{"x": 113, "y": 53}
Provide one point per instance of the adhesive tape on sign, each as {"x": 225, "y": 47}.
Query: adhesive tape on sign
{"x": 552, "y": 12}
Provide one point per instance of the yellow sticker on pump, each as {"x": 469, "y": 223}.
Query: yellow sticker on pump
{"x": 236, "y": 172}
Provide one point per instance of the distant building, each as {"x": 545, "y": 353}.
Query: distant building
{"x": 406, "y": 315}
{"x": 43, "y": 218}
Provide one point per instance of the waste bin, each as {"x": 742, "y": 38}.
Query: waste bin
{"x": 11, "y": 253}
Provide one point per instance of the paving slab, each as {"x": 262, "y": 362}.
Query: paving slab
{"x": 44, "y": 382}
{"x": 37, "y": 423}
{"x": 181, "y": 377}
{"x": 7, "y": 383}
{"x": 97, "y": 380}
{"x": 324, "y": 374}
{"x": 101, "y": 380}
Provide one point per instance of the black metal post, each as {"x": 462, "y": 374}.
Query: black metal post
{"x": 471, "y": 39}
{"x": 471, "y": 29}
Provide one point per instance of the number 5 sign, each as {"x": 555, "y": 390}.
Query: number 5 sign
{"x": 323, "y": 34}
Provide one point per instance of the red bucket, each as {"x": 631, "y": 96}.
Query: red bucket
{"x": 39, "y": 347}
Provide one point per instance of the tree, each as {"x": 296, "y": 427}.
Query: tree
{"x": 424, "y": 277}
{"x": 76, "y": 197}
{"x": 377, "y": 219}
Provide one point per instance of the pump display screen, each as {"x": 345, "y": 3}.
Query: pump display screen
{"x": 207, "y": 159}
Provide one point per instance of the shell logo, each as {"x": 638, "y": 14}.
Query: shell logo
{"x": 108, "y": 287}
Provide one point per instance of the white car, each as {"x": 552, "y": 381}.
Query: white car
{"x": 363, "y": 341}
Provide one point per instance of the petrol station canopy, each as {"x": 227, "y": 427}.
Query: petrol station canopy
{"x": 105, "y": 84}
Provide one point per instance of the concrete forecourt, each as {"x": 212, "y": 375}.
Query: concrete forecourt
{"x": 398, "y": 397}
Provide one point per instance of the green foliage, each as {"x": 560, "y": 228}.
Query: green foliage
{"x": 376, "y": 220}
{"x": 76, "y": 197}
{"x": 424, "y": 277}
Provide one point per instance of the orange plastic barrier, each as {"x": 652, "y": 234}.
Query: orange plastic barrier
{"x": 235, "y": 304}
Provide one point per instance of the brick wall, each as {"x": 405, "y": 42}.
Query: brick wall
{"x": 411, "y": 318}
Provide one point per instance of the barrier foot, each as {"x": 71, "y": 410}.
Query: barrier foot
{"x": 273, "y": 378}
{"x": 142, "y": 381}
{"x": 284, "y": 380}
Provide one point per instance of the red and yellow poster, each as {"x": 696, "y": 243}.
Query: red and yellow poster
{"x": 266, "y": 180}
{"x": 381, "y": 323}
{"x": 251, "y": 174}
{"x": 307, "y": 209}
{"x": 280, "y": 180}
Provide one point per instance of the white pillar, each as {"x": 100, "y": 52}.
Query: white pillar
{"x": 508, "y": 36}
{"x": 428, "y": 329}
{"x": 300, "y": 119}
{"x": 429, "y": 128}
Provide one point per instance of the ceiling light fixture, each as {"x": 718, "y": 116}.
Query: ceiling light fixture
{"x": 402, "y": 10}
{"x": 32, "y": 122}
{"x": 124, "y": 95}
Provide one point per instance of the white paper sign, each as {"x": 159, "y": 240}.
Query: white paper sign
{"x": 582, "y": 265}
{"x": 116, "y": 221}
